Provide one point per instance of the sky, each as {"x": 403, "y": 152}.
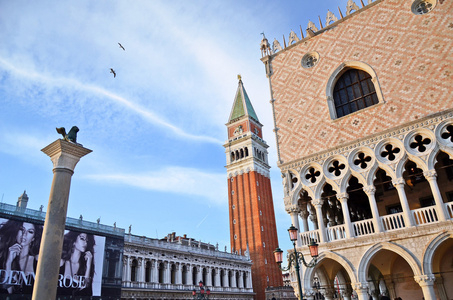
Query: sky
{"x": 157, "y": 129}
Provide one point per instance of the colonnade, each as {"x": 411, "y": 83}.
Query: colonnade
{"x": 142, "y": 271}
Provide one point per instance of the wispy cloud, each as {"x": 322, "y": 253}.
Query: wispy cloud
{"x": 69, "y": 83}
{"x": 177, "y": 180}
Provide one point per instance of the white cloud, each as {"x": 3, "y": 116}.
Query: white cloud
{"x": 68, "y": 83}
{"x": 177, "y": 180}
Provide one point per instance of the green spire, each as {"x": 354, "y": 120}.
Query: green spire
{"x": 242, "y": 105}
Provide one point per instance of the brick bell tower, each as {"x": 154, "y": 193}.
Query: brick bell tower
{"x": 251, "y": 208}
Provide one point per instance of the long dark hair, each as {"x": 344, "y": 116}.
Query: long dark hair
{"x": 68, "y": 248}
{"x": 8, "y": 237}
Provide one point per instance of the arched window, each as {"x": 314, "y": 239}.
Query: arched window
{"x": 351, "y": 87}
{"x": 246, "y": 152}
{"x": 353, "y": 91}
{"x": 134, "y": 270}
{"x": 232, "y": 156}
{"x": 242, "y": 153}
{"x": 173, "y": 274}
{"x": 148, "y": 271}
{"x": 161, "y": 272}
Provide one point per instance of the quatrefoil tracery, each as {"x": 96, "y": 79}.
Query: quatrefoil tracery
{"x": 420, "y": 143}
{"x": 362, "y": 160}
{"x": 448, "y": 134}
{"x": 312, "y": 174}
{"x": 390, "y": 152}
{"x": 336, "y": 168}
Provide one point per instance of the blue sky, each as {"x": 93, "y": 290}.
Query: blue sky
{"x": 157, "y": 129}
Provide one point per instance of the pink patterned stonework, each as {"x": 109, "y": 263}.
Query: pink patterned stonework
{"x": 414, "y": 70}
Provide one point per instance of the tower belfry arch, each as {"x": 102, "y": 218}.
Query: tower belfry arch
{"x": 251, "y": 209}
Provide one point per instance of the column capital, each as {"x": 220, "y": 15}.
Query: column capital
{"x": 370, "y": 190}
{"x": 398, "y": 182}
{"x": 64, "y": 154}
{"x": 425, "y": 280}
{"x": 342, "y": 197}
{"x": 292, "y": 209}
{"x": 359, "y": 286}
{"x": 430, "y": 175}
{"x": 317, "y": 202}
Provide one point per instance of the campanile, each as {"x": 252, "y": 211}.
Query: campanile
{"x": 251, "y": 208}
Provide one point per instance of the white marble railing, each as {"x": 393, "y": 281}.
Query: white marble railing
{"x": 393, "y": 221}
{"x": 449, "y": 208}
{"x": 425, "y": 215}
{"x": 336, "y": 233}
{"x": 364, "y": 227}
{"x": 307, "y": 236}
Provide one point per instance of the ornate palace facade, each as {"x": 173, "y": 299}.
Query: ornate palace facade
{"x": 363, "y": 110}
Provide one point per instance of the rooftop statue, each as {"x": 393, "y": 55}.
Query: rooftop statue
{"x": 72, "y": 134}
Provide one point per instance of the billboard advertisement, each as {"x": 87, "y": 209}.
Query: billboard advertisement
{"x": 81, "y": 264}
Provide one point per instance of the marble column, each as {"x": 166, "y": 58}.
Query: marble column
{"x": 293, "y": 211}
{"x": 343, "y": 198}
{"x": 370, "y": 191}
{"x": 399, "y": 185}
{"x": 155, "y": 271}
{"x": 426, "y": 282}
{"x": 322, "y": 229}
{"x": 64, "y": 155}
{"x": 304, "y": 215}
{"x": 141, "y": 272}
{"x": 431, "y": 176}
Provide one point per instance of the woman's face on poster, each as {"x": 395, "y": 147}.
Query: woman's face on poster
{"x": 81, "y": 242}
{"x": 26, "y": 234}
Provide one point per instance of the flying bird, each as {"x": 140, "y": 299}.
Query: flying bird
{"x": 113, "y": 72}
{"x": 121, "y": 46}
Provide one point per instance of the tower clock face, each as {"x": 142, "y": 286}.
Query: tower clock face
{"x": 238, "y": 130}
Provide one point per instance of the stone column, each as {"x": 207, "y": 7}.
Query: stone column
{"x": 178, "y": 279}
{"x": 343, "y": 198}
{"x": 390, "y": 285}
{"x": 370, "y": 191}
{"x": 155, "y": 271}
{"x": 322, "y": 229}
{"x": 304, "y": 215}
{"x": 127, "y": 271}
{"x": 217, "y": 278}
{"x": 241, "y": 280}
{"x": 208, "y": 277}
{"x": 293, "y": 211}
{"x": 399, "y": 185}
{"x": 439, "y": 282}
{"x": 361, "y": 289}
{"x": 64, "y": 155}
{"x": 166, "y": 272}
{"x": 440, "y": 207}
{"x": 426, "y": 282}
{"x": 141, "y": 272}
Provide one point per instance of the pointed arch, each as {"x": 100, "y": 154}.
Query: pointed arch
{"x": 346, "y": 264}
{"x": 366, "y": 259}
{"x": 430, "y": 250}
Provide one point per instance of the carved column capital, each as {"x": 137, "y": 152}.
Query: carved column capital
{"x": 360, "y": 286}
{"x": 425, "y": 280}
{"x": 317, "y": 202}
{"x": 342, "y": 197}
{"x": 398, "y": 182}
{"x": 430, "y": 175}
{"x": 292, "y": 209}
{"x": 370, "y": 190}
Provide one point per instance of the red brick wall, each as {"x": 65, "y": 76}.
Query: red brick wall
{"x": 412, "y": 56}
{"x": 248, "y": 227}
